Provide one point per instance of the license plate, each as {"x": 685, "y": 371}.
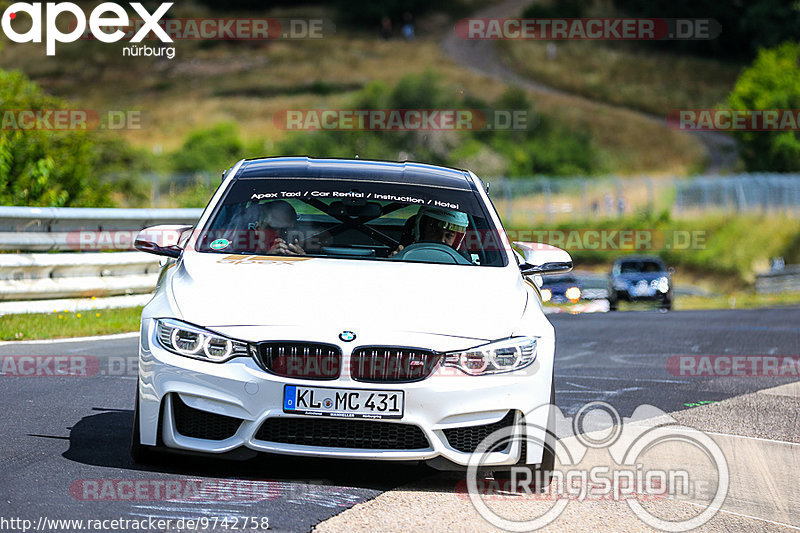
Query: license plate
{"x": 643, "y": 290}
{"x": 346, "y": 403}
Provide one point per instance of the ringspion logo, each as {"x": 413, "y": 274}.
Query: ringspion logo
{"x": 104, "y": 17}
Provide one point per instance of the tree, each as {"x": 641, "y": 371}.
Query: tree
{"x": 771, "y": 82}
{"x": 746, "y": 25}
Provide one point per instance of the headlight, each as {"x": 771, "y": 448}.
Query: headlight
{"x": 547, "y": 295}
{"x": 496, "y": 357}
{"x": 191, "y": 341}
{"x": 662, "y": 284}
{"x": 573, "y": 294}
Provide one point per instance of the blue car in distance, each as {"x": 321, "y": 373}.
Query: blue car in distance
{"x": 560, "y": 288}
{"x": 640, "y": 279}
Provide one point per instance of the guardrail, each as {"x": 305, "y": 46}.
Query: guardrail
{"x": 786, "y": 279}
{"x": 34, "y": 276}
{"x": 59, "y": 228}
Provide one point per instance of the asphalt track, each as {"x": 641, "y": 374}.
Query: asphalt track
{"x": 58, "y": 432}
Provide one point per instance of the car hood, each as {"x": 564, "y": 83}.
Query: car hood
{"x": 217, "y": 290}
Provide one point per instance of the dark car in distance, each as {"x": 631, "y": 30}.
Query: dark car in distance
{"x": 640, "y": 279}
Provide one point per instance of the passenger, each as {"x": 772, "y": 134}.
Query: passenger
{"x": 433, "y": 224}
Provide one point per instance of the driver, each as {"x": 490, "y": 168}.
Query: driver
{"x": 434, "y": 224}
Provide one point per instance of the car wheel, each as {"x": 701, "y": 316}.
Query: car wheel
{"x": 667, "y": 305}
{"x": 613, "y": 305}
{"x": 544, "y": 471}
{"x": 141, "y": 453}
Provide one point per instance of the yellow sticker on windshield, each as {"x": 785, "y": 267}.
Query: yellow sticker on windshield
{"x": 261, "y": 259}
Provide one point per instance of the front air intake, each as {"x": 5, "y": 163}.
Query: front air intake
{"x": 301, "y": 360}
{"x": 384, "y": 364}
{"x": 191, "y": 422}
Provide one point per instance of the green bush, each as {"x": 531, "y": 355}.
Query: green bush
{"x": 41, "y": 167}
{"x": 212, "y": 149}
{"x": 771, "y": 82}
{"x": 195, "y": 195}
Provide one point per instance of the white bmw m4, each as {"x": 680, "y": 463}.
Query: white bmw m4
{"x": 346, "y": 309}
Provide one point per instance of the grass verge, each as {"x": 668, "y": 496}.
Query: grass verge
{"x": 723, "y": 246}
{"x": 615, "y": 73}
{"x": 737, "y": 300}
{"x": 60, "y": 324}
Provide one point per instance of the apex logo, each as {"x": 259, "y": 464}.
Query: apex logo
{"x": 104, "y": 16}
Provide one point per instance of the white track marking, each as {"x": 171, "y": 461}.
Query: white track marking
{"x": 749, "y": 516}
{"x": 128, "y": 335}
{"x": 751, "y": 438}
{"x": 624, "y": 379}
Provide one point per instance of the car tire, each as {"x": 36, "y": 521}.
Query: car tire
{"x": 613, "y": 305}
{"x": 667, "y": 305}
{"x": 548, "y": 455}
{"x": 142, "y": 453}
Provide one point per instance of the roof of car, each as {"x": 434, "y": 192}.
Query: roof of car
{"x": 354, "y": 169}
{"x": 634, "y": 258}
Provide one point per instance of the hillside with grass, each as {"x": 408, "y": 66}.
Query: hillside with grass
{"x": 244, "y": 85}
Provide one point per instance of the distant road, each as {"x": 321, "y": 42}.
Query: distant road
{"x": 481, "y": 56}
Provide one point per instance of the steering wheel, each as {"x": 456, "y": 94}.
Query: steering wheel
{"x": 431, "y": 252}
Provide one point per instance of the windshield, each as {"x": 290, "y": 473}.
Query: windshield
{"x": 558, "y": 280}
{"x": 637, "y": 267}
{"x": 352, "y": 219}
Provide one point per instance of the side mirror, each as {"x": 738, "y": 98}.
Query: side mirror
{"x": 167, "y": 239}
{"x": 543, "y": 259}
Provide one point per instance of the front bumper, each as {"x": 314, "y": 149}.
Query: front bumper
{"x": 446, "y": 403}
{"x": 627, "y": 296}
